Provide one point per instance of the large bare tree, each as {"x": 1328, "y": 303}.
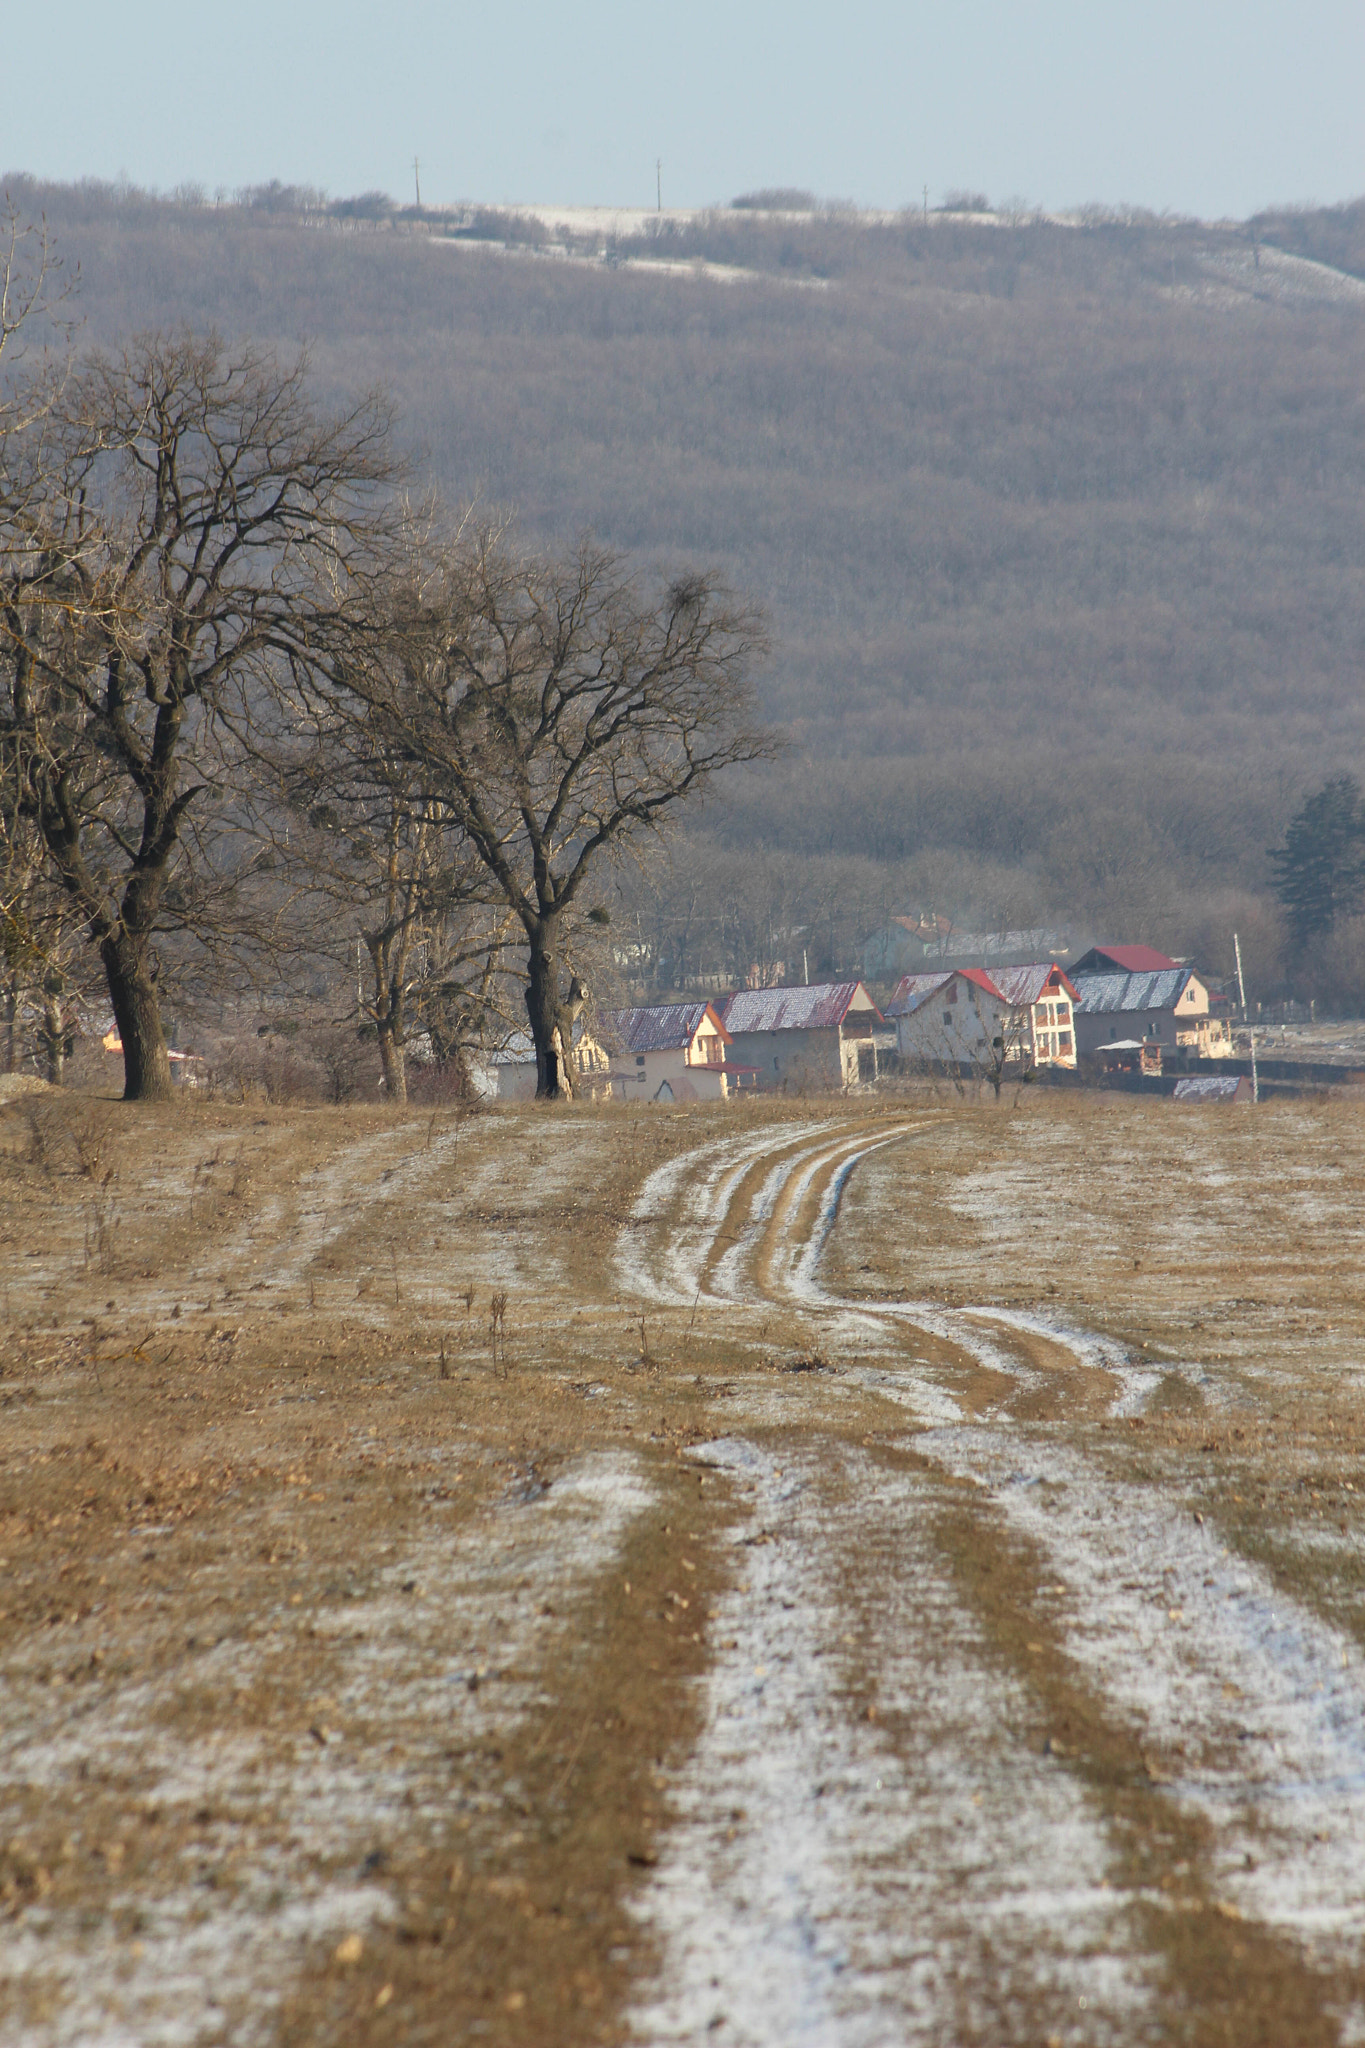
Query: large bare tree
{"x": 200, "y": 533}
{"x": 559, "y": 713}
{"x": 375, "y": 864}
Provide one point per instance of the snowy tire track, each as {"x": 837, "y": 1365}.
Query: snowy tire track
{"x": 1196, "y": 1653}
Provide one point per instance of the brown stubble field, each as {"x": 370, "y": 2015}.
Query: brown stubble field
{"x": 817, "y": 1586}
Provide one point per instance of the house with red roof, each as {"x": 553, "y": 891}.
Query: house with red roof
{"x": 1013, "y": 1020}
{"x": 1124, "y": 960}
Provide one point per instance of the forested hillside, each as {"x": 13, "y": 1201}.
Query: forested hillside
{"x": 1059, "y": 527}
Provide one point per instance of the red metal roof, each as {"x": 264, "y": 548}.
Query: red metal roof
{"x": 1016, "y": 987}
{"x": 1131, "y": 959}
{"x": 914, "y": 989}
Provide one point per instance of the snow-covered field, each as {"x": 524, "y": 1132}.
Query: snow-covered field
{"x": 689, "y": 1576}
{"x": 1253, "y": 1703}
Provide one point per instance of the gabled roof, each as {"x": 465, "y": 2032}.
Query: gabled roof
{"x": 1024, "y": 985}
{"x": 1100, "y": 994}
{"x": 982, "y": 980}
{"x": 914, "y": 989}
{"x": 1016, "y": 987}
{"x": 1123, "y": 960}
{"x": 821, "y": 1006}
{"x": 659, "y": 1027}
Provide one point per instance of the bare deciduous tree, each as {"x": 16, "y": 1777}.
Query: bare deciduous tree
{"x": 559, "y": 714}
{"x": 380, "y": 867}
{"x": 200, "y": 532}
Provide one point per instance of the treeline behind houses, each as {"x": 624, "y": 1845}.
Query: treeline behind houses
{"x": 1056, "y": 524}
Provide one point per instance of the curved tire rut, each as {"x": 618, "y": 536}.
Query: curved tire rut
{"x": 1264, "y": 1829}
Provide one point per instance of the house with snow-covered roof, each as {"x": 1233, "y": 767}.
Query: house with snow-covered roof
{"x": 821, "y": 1035}
{"x": 670, "y": 1052}
{"x": 1014, "y": 1019}
{"x": 508, "y": 1072}
{"x": 1167, "y": 1005}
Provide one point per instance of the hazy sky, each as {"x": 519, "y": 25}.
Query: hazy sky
{"x": 1204, "y": 106}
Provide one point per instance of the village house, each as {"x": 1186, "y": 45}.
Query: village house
{"x": 1018, "y": 1018}
{"x": 670, "y": 1052}
{"x": 826, "y": 1035}
{"x": 903, "y": 942}
{"x": 1167, "y": 1005}
{"x": 509, "y": 1074}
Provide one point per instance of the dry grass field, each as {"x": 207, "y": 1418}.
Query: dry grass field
{"x": 857, "y": 1572}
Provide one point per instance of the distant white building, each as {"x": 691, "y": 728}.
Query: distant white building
{"x": 1013, "y": 1019}
{"x": 509, "y": 1073}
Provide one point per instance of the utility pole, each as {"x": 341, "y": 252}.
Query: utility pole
{"x": 658, "y": 184}
{"x": 1251, "y": 1029}
{"x": 417, "y": 179}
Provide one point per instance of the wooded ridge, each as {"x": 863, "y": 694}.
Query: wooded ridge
{"x": 1057, "y": 524}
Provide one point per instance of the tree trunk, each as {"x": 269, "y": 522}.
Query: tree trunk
{"x": 392, "y": 1063}
{"x": 137, "y": 1013}
{"x": 54, "y": 1037}
{"x": 12, "y": 1031}
{"x": 549, "y": 1035}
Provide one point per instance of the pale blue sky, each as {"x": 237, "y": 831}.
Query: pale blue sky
{"x": 1203, "y": 106}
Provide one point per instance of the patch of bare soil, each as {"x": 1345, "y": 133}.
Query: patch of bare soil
{"x": 864, "y": 1571}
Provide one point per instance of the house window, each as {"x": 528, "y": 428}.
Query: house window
{"x": 1064, "y": 1041}
{"x": 947, "y": 1016}
{"x": 639, "y": 1059}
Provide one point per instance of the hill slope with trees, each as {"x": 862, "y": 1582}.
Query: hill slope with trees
{"x": 1057, "y": 525}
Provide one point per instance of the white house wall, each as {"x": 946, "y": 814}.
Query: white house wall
{"x": 924, "y": 1036}
{"x": 640, "y": 1076}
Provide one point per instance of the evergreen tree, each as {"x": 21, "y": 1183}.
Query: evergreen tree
{"x": 1320, "y": 869}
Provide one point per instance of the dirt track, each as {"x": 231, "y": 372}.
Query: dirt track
{"x": 761, "y": 1651}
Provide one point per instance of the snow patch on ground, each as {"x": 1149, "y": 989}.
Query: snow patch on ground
{"x": 1260, "y": 1704}
{"x": 663, "y": 1251}
{"x": 838, "y": 1879}
{"x": 413, "y": 1672}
